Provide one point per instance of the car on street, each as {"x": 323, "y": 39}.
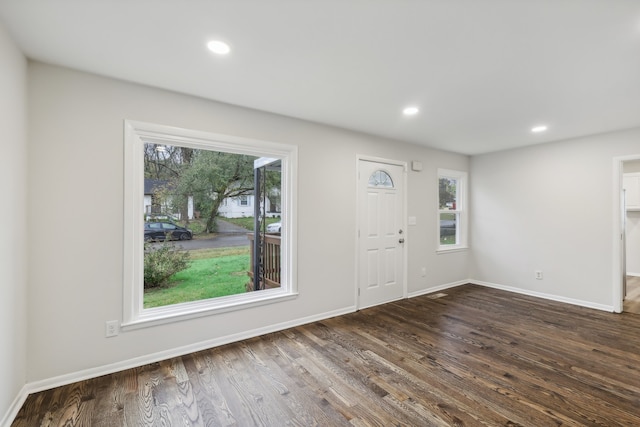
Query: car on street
{"x": 276, "y": 227}
{"x": 158, "y": 231}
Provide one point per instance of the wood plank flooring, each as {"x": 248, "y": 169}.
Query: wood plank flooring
{"x": 470, "y": 356}
{"x": 632, "y": 300}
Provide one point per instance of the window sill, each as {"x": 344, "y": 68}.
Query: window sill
{"x": 179, "y": 312}
{"x": 445, "y": 250}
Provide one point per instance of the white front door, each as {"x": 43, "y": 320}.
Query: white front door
{"x": 381, "y": 233}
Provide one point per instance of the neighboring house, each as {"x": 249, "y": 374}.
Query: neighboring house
{"x": 158, "y": 200}
{"x": 243, "y": 206}
{"x": 237, "y": 207}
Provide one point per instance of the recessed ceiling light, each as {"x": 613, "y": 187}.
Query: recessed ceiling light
{"x": 219, "y": 47}
{"x": 538, "y": 129}
{"x": 410, "y": 111}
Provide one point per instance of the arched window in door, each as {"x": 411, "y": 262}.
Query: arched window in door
{"x": 380, "y": 179}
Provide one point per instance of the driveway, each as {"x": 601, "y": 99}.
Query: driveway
{"x": 226, "y": 227}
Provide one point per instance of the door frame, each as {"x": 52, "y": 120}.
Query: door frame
{"x": 618, "y": 243}
{"x": 403, "y": 164}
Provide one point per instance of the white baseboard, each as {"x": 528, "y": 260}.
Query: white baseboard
{"x": 15, "y": 407}
{"x": 551, "y": 297}
{"x": 633, "y": 274}
{"x": 437, "y": 288}
{"x": 61, "y": 380}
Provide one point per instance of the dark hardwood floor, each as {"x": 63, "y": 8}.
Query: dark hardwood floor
{"x": 466, "y": 357}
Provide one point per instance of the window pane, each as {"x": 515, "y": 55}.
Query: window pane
{"x": 448, "y": 227}
{"x": 199, "y": 246}
{"x": 380, "y": 179}
{"x": 448, "y": 194}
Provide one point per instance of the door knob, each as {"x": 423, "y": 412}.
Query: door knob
{"x": 401, "y": 241}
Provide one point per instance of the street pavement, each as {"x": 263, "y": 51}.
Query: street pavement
{"x": 228, "y": 235}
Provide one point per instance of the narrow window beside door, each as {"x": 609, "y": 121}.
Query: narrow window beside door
{"x": 452, "y": 210}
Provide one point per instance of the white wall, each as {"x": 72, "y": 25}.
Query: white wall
{"x": 13, "y": 187}
{"x": 549, "y": 207}
{"x": 75, "y": 251}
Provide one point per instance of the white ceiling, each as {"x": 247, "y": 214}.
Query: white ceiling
{"x": 482, "y": 72}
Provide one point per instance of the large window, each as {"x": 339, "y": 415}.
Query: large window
{"x": 452, "y": 210}
{"x": 181, "y": 187}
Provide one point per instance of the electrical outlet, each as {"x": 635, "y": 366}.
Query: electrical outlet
{"x": 538, "y": 274}
{"x": 423, "y": 271}
{"x": 112, "y": 328}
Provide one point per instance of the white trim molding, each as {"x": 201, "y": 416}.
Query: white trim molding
{"x": 17, "y": 403}
{"x": 542, "y": 295}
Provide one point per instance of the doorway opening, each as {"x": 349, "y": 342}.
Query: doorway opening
{"x": 627, "y": 250}
{"x": 631, "y": 251}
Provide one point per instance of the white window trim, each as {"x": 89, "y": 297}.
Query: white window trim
{"x": 136, "y": 134}
{"x": 462, "y": 228}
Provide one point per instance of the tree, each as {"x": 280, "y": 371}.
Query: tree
{"x": 209, "y": 176}
{"x": 187, "y": 156}
{"x": 447, "y": 191}
{"x": 162, "y": 162}
{"x": 168, "y": 163}
{"x": 214, "y": 176}
{"x": 273, "y": 186}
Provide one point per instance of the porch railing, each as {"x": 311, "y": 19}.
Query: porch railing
{"x": 271, "y": 260}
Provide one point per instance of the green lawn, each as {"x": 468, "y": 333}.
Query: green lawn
{"x": 212, "y": 273}
{"x": 447, "y": 240}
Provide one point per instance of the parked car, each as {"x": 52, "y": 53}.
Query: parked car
{"x": 163, "y": 230}
{"x": 160, "y": 218}
{"x": 276, "y": 227}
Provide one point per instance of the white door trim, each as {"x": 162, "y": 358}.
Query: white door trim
{"x": 403, "y": 164}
